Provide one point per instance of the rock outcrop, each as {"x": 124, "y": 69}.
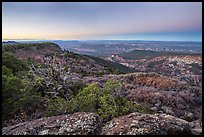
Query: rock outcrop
{"x": 80, "y": 123}
{"x": 85, "y": 123}
{"x": 150, "y": 124}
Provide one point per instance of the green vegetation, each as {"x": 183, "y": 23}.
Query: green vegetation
{"x": 28, "y": 46}
{"x": 107, "y": 107}
{"x": 101, "y": 101}
{"x": 73, "y": 55}
{"x": 86, "y": 99}
{"x": 26, "y": 94}
{"x": 76, "y": 86}
{"x": 56, "y": 106}
{"x": 10, "y": 61}
{"x": 125, "y": 107}
{"x": 17, "y": 95}
{"x": 13, "y": 48}
{"x": 113, "y": 67}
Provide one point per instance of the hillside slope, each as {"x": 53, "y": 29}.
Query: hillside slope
{"x": 44, "y": 71}
{"x": 182, "y": 66}
{"x": 40, "y": 80}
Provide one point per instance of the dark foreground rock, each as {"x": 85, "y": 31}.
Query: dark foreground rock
{"x": 75, "y": 124}
{"x": 147, "y": 124}
{"x": 84, "y": 123}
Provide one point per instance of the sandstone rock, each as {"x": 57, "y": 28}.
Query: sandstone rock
{"x": 80, "y": 123}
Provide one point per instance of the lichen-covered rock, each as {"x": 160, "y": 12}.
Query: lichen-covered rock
{"x": 86, "y": 123}
{"x": 80, "y": 123}
{"x": 149, "y": 124}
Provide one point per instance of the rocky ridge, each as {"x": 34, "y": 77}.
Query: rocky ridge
{"x": 85, "y": 123}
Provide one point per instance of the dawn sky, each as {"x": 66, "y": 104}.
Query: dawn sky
{"x": 172, "y": 21}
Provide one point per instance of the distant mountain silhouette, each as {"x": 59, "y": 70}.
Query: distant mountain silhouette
{"x": 9, "y": 42}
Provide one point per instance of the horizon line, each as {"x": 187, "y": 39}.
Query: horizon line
{"x": 97, "y": 40}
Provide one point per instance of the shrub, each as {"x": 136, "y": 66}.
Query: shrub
{"x": 11, "y": 62}
{"x": 11, "y": 87}
{"x": 93, "y": 99}
{"x": 85, "y": 100}
{"x": 17, "y": 95}
{"x": 124, "y": 106}
{"x": 56, "y": 106}
{"x": 111, "y": 86}
{"x": 107, "y": 107}
{"x": 146, "y": 109}
{"x": 10, "y": 83}
{"x": 76, "y": 87}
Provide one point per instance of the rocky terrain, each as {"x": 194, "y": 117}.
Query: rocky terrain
{"x": 82, "y": 123}
{"x": 162, "y": 94}
{"x": 75, "y": 124}
{"x": 50, "y": 91}
{"x": 184, "y": 67}
{"x": 147, "y": 124}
